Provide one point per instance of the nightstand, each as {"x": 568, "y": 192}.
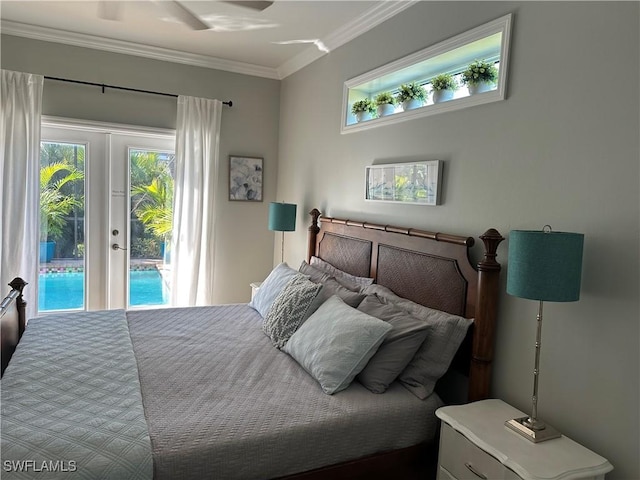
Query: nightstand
{"x": 475, "y": 444}
{"x": 255, "y": 286}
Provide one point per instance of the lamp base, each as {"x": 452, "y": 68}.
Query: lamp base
{"x": 535, "y": 432}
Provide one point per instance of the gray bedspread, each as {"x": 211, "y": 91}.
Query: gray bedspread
{"x": 71, "y": 402}
{"x": 221, "y": 402}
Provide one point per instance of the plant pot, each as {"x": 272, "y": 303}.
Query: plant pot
{"x": 363, "y": 116}
{"x": 47, "y": 250}
{"x": 386, "y": 109}
{"x": 442, "y": 95}
{"x": 480, "y": 87}
{"x": 411, "y": 104}
{"x": 164, "y": 252}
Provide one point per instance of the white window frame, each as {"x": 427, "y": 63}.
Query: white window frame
{"x": 351, "y": 88}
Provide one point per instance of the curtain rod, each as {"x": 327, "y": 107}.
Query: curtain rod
{"x": 103, "y": 86}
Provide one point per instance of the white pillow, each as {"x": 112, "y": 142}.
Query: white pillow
{"x": 271, "y": 288}
{"x": 335, "y": 343}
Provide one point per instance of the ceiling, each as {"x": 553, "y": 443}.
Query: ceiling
{"x": 272, "y": 43}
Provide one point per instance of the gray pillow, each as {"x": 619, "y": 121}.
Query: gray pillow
{"x": 346, "y": 279}
{"x": 289, "y": 309}
{"x": 431, "y": 361}
{"x": 398, "y": 347}
{"x": 271, "y": 287}
{"x": 315, "y": 274}
{"x": 330, "y": 288}
{"x": 335, "y": 343}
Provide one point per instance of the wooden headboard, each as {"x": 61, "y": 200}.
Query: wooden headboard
{"x": 432, "y": 269}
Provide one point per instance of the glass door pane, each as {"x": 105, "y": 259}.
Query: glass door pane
{"x": 151, "y": 218}
{"x": 141, "y": 205}
{"x": 62, "y": 230}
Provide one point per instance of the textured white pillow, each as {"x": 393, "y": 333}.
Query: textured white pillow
{"x": 271, "y": 288}
{"x": 289, "y": 309}
{"x": 335, "y": 343}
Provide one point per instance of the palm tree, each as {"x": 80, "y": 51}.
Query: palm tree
{"x": 154, "y": 205}
{"x": 54, "y": 204}
{"x": 152, "y": 193}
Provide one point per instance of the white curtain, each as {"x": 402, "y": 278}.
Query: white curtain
{"x": 194, "y": 208}
{"x": 19, "y": 182}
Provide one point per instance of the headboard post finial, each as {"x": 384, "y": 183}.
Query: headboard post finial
{"x": 314, "y": 229}
{"x": 18, "y": 284}
{"x": 486, "y": 314}
{"x": 491, "y": 239}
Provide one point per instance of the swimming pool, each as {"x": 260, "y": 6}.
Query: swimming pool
{"x": 65, "y": 291}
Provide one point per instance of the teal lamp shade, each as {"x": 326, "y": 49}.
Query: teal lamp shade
{"x": 545, "y": 265}
{"x": 282, "y": 217}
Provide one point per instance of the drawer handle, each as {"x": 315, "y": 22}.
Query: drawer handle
{"x": 474, "y": 471}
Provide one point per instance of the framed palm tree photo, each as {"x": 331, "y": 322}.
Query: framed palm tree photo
{"x": 416, "y": 183}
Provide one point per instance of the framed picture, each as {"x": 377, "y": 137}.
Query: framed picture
{"x": 245, "y": 179}
{"x": 417, "y": 183}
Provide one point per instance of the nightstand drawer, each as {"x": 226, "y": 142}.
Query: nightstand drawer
{"x": 463, "y": 460}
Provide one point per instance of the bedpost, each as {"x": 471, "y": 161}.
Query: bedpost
{"x": 486, "y": 314}
{"x": 313, "y": 233}
{"x": 19, "y": 284}
{"x": 13, "y": 321}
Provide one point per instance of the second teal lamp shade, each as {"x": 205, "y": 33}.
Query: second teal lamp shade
{"x": 545, "y": 265}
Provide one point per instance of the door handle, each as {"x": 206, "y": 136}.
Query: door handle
{"x": 115, "y": 246}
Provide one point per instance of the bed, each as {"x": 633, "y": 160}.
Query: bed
{"x": 202, "y": 392}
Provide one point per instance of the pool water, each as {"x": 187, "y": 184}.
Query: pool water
{"x": 65, "y": 291}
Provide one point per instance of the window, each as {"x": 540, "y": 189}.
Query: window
{"x": 487, "y": 43}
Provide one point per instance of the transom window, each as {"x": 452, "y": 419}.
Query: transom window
{"x": 485, "y": 46}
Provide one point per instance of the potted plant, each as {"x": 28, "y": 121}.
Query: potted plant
{"x": 55, "y": 205}
{"x": 443, "y": 86}
{"x": 411, "y": 95}
{"x": 385, "y": 103}
{"x": 363, "y": 109}
{"x": 480, "y": 76}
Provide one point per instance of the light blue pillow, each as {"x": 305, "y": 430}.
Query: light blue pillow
{"x": 335, "y": 343}
{"x": 271, "y": 288}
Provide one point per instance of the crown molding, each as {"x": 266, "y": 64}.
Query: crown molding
{"x": 373, "y": 17}
{"x": 130, "y": 48}
{"x": 370, "y": 19}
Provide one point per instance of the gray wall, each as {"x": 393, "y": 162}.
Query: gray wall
{"x": 561, "y": 150}
{"x": 244, "y": 244}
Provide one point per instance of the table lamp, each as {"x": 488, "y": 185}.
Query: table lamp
{"x": 282, "y": 218}
{"x": 546, "y": 266}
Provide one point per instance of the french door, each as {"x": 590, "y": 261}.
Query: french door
{"x": 106, "y": 194}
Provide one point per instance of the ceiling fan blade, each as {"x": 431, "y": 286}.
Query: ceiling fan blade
{"x": 254, "y": 5}
{"x": 181, "y": 13}
{"x": 109, "y": 10}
